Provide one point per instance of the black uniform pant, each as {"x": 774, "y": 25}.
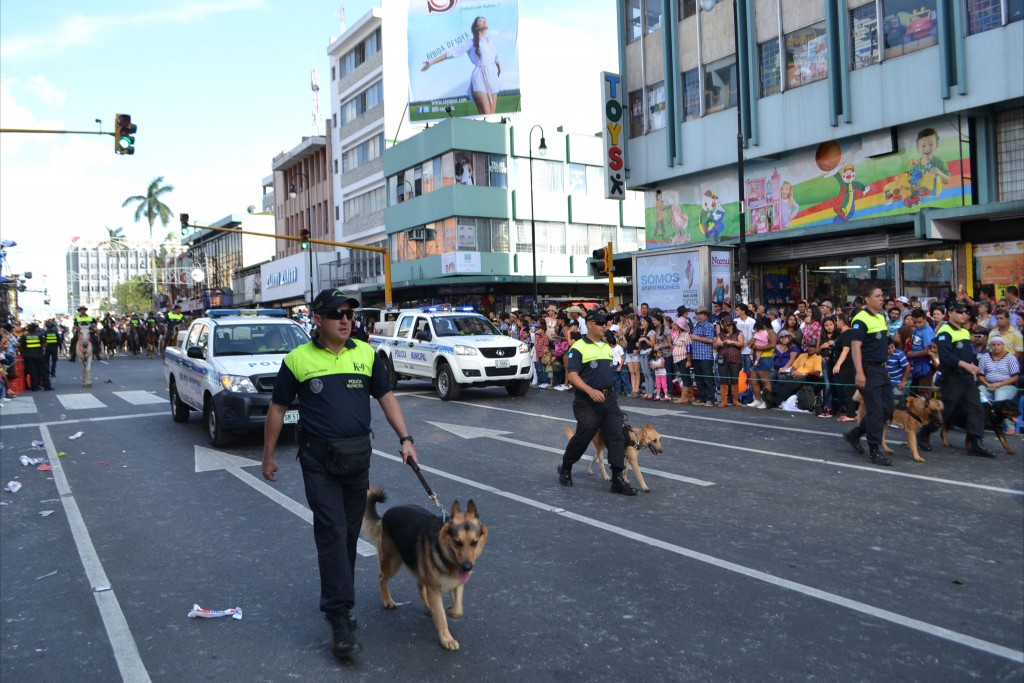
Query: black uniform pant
{"x": 338, "y": 504}
{"x": 960, "y": 392}
{"x": 591, "y": 417}
{"x": 51, "y": 359}
{"x": 35, "y": 368}
{"x": 878, "y": 405}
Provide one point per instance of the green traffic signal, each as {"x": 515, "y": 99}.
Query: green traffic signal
{"x": 184, "y": 224}
{"x": 124, "y": 134}
{"x": 305, "y": 238}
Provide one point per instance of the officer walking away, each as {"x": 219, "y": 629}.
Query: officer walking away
{"x": 53, "y": 343}
{"x": 334, "y": 378}
{"x": 33, "y": 348}
{"x": 174, "y": 319}
{"x": 592, "y": 373}
{"x": 869, "y": 348}
{"x": 959, "y": 388}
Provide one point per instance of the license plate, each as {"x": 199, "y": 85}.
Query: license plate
{"x": 291, "y": 417}
{"x": 502, "y": 363}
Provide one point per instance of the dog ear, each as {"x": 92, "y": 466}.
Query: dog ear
{"x": 471, "y": 508}
{"x": 456, "y": 508}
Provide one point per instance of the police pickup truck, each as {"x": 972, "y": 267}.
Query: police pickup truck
{"x": 224, "y": 366}
{"x": 453, "y": 349}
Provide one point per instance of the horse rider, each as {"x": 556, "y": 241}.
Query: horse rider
{"x": 33, "y": 348}
{"x": 83, "y": 318}
{"x": 174, "y": 318}
{"x": 53, "y": 344}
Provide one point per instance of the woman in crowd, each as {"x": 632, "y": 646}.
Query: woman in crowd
{"x": 681, "y": 353}
{"x": 999, "y": 372}
{"x": 827, "y": 347}
{"x": 762, "y": 347}
{"x": 729, "y": 343}
{"x": 793, "y": 327}
{"x": 663, "y": 336}
{"x": 843, "y": 370}
{"x": 783, "y": 355}
{"x": 811, "y": 329}
{"x": 630, "y": 336}
{"x": 646, "y": 341}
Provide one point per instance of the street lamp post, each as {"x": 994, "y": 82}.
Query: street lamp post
{"x": 707, "y": 6}
{"x": 292, "y": 194}
{"x": 542, "y": 148}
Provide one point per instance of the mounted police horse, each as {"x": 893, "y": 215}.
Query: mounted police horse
{"x": 82, "y": 350}
{"x": 108, "y": 337}
{"x": 152, "y": 340}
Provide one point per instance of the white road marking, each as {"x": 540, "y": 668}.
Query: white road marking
{"x": 23, "y": 405}
{"x": 838, "y": 600}
{"x": 106, "y": 418}
{"x": 126, "y": 652}
{"x": 887, "y": 471}
{"x": 138, "y": 398}
{"x": 80, "y": 401}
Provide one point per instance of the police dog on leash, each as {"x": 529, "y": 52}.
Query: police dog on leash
{"x": 995, "y": 412}
{"x": 440, "y": 555}
{"x": 636, "y": 438}
{"x": 917, "y": 412}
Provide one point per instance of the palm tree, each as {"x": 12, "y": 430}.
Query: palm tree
{"x": 150, "y": 206}
{"x": 115, "y": 240}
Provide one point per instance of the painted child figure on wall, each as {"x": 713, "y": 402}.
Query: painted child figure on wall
{"x": 712, "y": 216}
{"x": 928, "y": 173}
{"x": 845, "y": 205}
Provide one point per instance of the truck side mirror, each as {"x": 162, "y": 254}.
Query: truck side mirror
{"x": 196, "y": 352}
{"x": 423, "y": 335}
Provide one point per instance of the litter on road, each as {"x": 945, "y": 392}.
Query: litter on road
{"x": 13, "y": 486}
{"x": 197, "y": 611}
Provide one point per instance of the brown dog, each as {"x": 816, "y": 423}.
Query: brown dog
{"x": 918, "y": 413}
{"x": 440, "y": 555}
{"x": 639, "y": 437}
{"x": 685, "y": 396}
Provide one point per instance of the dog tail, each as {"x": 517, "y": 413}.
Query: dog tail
{"x": 569, "y": 432}
{"x": 371, "y": 518}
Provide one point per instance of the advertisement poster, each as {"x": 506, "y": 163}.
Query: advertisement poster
{"x": 458, "y": 262}
{"x": 668, "y": 281}
{"x": 822, "y": 187}
{"x": 467, "y": 236}
{"x": 463, "y": 58}
{"x": 1000, "y": 263}
{"x": 721, "y": 276}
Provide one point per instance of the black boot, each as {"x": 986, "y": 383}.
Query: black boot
{"x": 343, "y": 637}
{"x": 974, "y": 446}
{"x": 620, "y": 485}
{"x": 852, "y": 437}
{"x": 564, "y": 475}
{"x": 923, "y": 434}
{"x": 878, "y": 457}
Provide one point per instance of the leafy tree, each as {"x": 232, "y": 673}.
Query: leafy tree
{"x": 151, "y": 206}
{"x": 132, "y": 296}
{"x": 115, "y": 241}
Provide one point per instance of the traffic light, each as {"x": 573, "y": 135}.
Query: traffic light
{"x": 603, "y": 262}
{"x": 304, "y": 234}
{"x": 184, "y": 224}
{"x": 124, "y": 134}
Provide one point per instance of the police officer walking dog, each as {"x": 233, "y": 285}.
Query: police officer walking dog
{"x": 870, "y": 349}
{"x": 596, "y": 405}
{"x": 334, "y": 378}
{"x": 959, "y": 382}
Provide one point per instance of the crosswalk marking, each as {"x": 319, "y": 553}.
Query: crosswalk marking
{"x": 23, "y": 405}
{"x": 80, "y": 401}
{"x": 138, "y": 398}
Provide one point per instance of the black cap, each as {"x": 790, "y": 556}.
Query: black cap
{"x": 959, "y": 307}
{"x": 333, "y": 298}
{"x": 83, "y": 308}
{"x": 176, "y": 306}
{"x": 595, "y": 317}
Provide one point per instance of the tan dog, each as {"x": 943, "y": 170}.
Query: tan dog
{"x": 919, "y": 412}
{"x": 685, "y": 396}
{"x": 439, "y": 555}
{"x": 639, "y": 437}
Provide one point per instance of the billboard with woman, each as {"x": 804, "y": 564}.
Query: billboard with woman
{"x": 463, "y": 58}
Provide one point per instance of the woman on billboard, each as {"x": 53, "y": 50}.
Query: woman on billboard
{"x": 485, "y": 82}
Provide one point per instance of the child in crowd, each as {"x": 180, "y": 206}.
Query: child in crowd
{"x": 660, "y": 376}
{"x": 899, "y": 369}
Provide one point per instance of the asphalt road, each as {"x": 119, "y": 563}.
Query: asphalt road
{"x": 765, "y": 551}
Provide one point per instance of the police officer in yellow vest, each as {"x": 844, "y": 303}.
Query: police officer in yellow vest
{"x": 596, "y": 407}
{"x": 959, "y": 388}
{"x": 869, "y": 348}
{"x": 83, "y": 318}
{"x": 174, "y": 318}
{"x": 334, "y": 378}
{"x": 53, "y": 340}
{"x": 33, "y": 348}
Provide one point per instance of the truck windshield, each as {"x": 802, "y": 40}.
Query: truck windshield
{"x": 465, "y": 325}
{"x": 244, "y": 340}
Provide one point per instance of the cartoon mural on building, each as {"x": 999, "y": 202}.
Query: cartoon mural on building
{"x": 834, "y": 183}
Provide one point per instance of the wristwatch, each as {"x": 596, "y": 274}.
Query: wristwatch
{"x": 404, "y": 439}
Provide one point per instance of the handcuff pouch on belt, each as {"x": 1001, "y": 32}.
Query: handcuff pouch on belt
{"x": 343, "y": 456}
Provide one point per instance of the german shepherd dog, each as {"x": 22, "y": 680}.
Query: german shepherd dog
{"x": 636, "y": 438}
{"x": 995, "y": 413}
{"x": 439, "y": 555}
{"x": 916, "y": 412}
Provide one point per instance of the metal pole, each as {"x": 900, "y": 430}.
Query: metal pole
{"x": 742, "y": 257}
{"x": 533, "y": 218}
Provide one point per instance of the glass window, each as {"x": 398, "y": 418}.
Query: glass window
{"x": 691, "y": 94}
{"x": 524, "y": 243}
{"x": 908, "y": 26}
{"x": 577, "y": 178}
{"x": 769, "y": 70}
{"x": 1010, "y": 154}
{"x": 465, "y": 174}
{"x": 998, "y": 265}
{"x": 687, "y": 8}
{"x": 576, "y": 237}
{"x": 547, "y": 175}
{"x": 806, "y": 55}
{"x": 863, "y": 36}
{"x": 636, "y": 113}
{"x": 483, "y": 234}
{"x": 656, "y": 106}
{"x": 983, "y": 15}
{"x": 448, "y": 168}
{"x": 428, "y": 176}
{"x": 842, "y": 280}
{"x": 497, "y": 170}
{"x": 499, "y": 236}
{"x": 720, "y": 85}
{"x": 595, "y": 181}
{"x": 927, "y": 273}
{"x": 635, "y": 19}
{"x": 653, "y": 15}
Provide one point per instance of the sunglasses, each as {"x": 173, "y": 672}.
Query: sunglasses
{"x": 338, "y": 314}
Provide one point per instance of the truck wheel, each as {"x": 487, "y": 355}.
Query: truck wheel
{"x": 392, "y": 375}
{"x": 179, "y": 410}
{"x": 447, "y": 388}
{"x": 518, "y": 388}
{"x": 219, "y": 437}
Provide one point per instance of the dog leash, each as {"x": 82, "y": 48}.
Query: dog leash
{"x": 430, "y": 493}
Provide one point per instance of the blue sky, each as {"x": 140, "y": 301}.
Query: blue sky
{"x": 217, "y": 89}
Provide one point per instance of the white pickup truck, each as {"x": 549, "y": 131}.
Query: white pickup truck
{"x": 453, "y": 349}
{"x": 224, "y": 366}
